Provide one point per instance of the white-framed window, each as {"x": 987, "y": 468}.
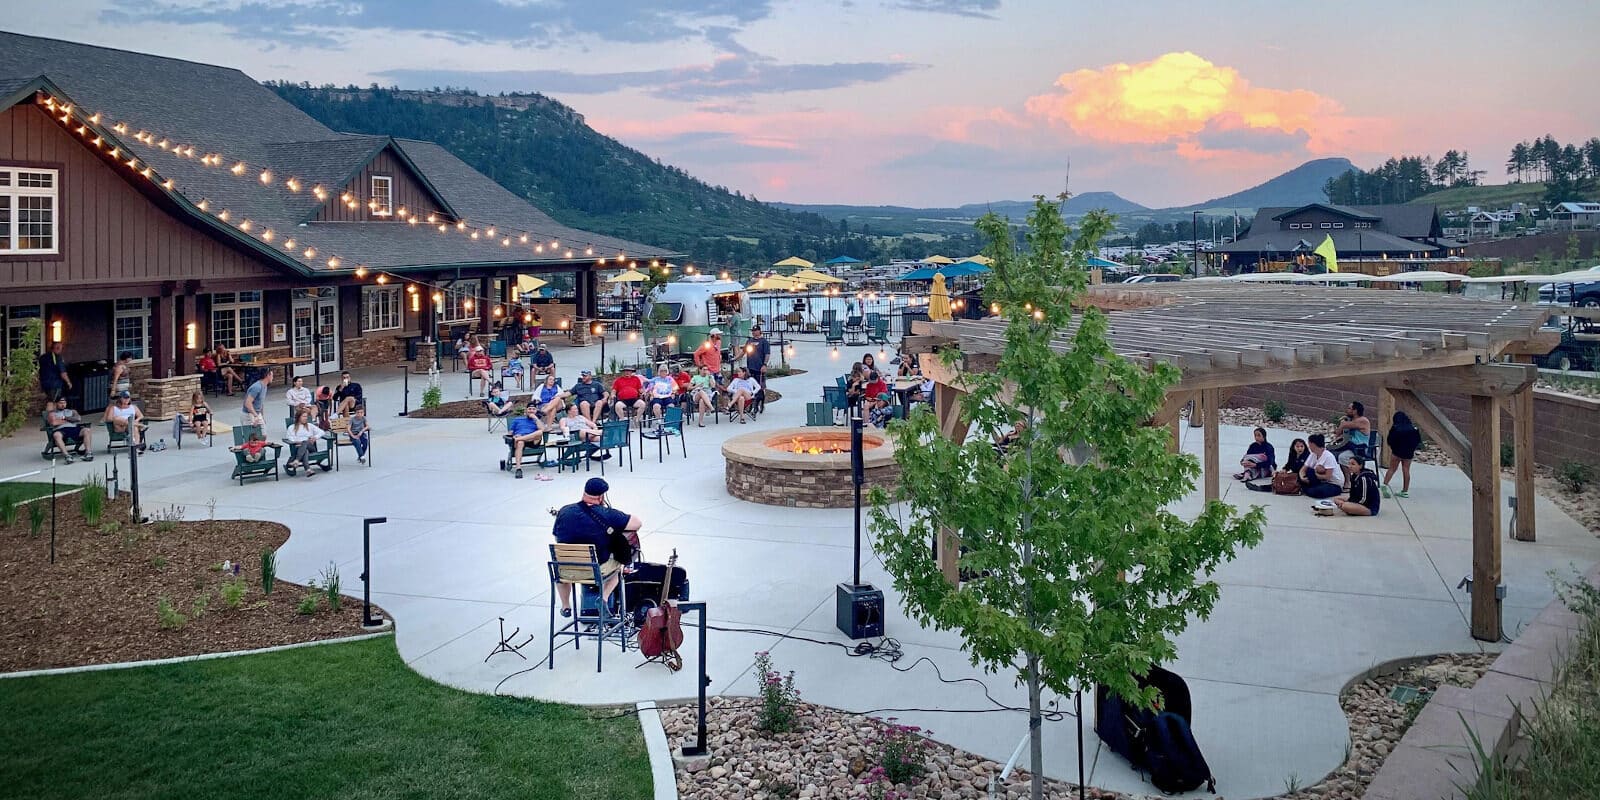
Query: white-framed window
{"x": 1338, "y": 224}
{"x": 1327, "y": 225}
{"x": 382, "y": 196}
{"x": 130, "y": 327}
{"x": 30, "y": 222}
{"x": 380, "y": 308}
{"x": 17, "y": 319}
{"x": 458, "y": 304}
{"x": 236, "y": 320}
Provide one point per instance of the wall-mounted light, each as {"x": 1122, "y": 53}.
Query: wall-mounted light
{"x": 416, "y": 301}
{"x": 55, "y": 331}
{"x": 191, "y": 335}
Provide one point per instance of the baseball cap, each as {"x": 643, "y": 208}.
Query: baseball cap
{"x": 588, "y": 373}
{"x": 596, "y": 487}
{"x": 716, "y": 331}
{"x": 542, "y": 347}
{"x": 123, "y": 395}
{"x": 627, "y": 369}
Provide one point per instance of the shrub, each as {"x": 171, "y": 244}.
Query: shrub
{"x": 1274, "y": 410}
{"x": 780, "y": 701}
{"x": 35, "y": 519}
{"x": 1508, "y": 455}
{"x": 197, "y": 609}
{"x": 902, "y": 751}
{"x": 269, "y": 570}
{"x": 233, "y": 592}
{"x": 432, "y": 397}
{"x": 330, "y": 586}
{"x": 19, "y": 384}
{"x": 92, "y": 500}
{"x": 8, "y": 509}
{"x": 168, "y": 616}
{"x": 1574, "y": 475}
{"x": 308, "y": 604}
{"x": 167, "y": 519}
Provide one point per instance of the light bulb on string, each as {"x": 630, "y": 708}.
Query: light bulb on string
{"x": 361, "y": 272}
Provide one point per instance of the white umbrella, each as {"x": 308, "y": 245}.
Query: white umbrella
{"x": 1421, "y": 276}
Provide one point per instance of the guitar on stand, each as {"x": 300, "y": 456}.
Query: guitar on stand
{"x": 662, "y": 631}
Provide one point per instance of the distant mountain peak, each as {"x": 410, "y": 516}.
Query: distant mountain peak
{"x": 1299, "y": 186}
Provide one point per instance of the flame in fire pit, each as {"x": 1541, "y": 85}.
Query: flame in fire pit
{"x": 801, "y": 448}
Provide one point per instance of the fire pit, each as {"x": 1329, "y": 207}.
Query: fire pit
{"x": 804, "y": 467}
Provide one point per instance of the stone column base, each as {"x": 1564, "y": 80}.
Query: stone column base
{"x": 165, "y": 398}
{"x": 426, "y": 351}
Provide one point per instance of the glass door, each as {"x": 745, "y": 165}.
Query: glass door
{"x": 314, "y": 330}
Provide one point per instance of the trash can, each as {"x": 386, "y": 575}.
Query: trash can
{"x": 91, "y": 386}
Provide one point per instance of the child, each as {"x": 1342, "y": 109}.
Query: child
{"x": 199, "y": 415}
{"x": 359, "y": 432}
{"x": 498, "y": 404}
{"x": 252, "y": 448}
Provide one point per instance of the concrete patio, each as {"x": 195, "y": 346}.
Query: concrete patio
{"x": 1320, "y": 600}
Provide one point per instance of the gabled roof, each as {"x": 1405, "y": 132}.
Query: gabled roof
{"x": 222, "y": 110}
{"x": 1343, "y": 211}
{"x": 1344, "y": 239}
{"x": 1405, "y": 221}
{"x": 1579, "y": 208}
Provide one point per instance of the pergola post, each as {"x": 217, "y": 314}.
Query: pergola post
{"x": 1385, "y": 421}
{"x": 1521, "y": 407}
{"x": 1175, "y": 441}
{"x": 1197, "y": 414}
{"x": 1211, "y": 401}
{"x": 1485, "y": 518}
{"x": 952, "y": 426}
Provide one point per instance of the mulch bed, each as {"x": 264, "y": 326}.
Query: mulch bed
{"x": 97, "y": 603}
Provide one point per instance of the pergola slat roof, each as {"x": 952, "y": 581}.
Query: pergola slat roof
{"x": 1230, "y": 336}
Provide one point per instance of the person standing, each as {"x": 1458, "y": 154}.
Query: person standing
{"x": 756, "y": 353}
{"x": 53, "y": 378}
{"x": 709, "y": 353}
{"x": 255, "y": 400}
{"x": 1403, "y": 439}
{"x": 122, "y": 374}
{"x": 590, "y": 521}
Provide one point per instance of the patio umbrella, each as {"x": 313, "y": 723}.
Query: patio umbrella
{"x": 938, "y": 260}
{"x": 795, "y": 261}
{"x": 527, "y": 284}
{"x": 939, "y": 300}
{"x": 978, "y": 259}
{"x": 812, "y": 276}
{"x": 630, "y": 276}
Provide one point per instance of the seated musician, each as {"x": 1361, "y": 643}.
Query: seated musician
{"x": 590, "y": 521}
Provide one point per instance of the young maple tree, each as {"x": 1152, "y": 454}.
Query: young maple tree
{"x": 1075, "y": 572}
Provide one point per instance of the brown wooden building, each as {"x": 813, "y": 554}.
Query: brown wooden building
{"x": 156, "y": 206}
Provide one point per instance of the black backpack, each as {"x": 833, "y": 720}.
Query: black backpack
{"x": 1172, "y": 757}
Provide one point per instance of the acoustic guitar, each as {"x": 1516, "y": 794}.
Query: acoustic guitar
{"x": 662, "y": 632}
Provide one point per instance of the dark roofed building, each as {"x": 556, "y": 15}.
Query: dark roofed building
{"x": 155, "y": 206}
{"x": 1283, "y": 234}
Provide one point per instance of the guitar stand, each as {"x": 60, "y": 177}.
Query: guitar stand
{"x": 505, "y": 645}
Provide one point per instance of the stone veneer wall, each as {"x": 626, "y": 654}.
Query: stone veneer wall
{"x": 804, "y": 488}
{"x": 165, "y": 398}
{"x": 374, "y": 350}
{"x": 1565, "y": 427}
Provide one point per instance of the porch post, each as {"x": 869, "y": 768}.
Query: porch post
{"x": 1211, "y": 399}
{"x": 484, "y": 305}
{"x": 185, "y": 318}
{"x": 162, "y": 336}
{"x": 1521, "y": 407}
{"x": 952, "y": 426}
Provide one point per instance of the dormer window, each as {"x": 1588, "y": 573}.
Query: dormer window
{"x": 381, "y": 199}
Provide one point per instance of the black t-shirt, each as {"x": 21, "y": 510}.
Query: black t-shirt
{"x": 352, "y": 390}
{"x": 543, "y": 359}
{"x": 1403, "y": 442}
{"x": 587, "y": 392}
{"x": 574, "y": 525}
{"x": 1364, "y": 490}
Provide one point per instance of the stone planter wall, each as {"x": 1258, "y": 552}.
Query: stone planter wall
{"x": 804, "y": 488}
{"x": 165, "y": 398}
{"x": 377, "y": 350}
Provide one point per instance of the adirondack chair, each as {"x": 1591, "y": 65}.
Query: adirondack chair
{"x": 268, "y": 465}
{"x": 835, "y": 332}
{"x": 880, "y": 331}
{"x": 322, "y": 458}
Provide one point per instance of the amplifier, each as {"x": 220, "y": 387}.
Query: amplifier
{"x": 859, "y": 610}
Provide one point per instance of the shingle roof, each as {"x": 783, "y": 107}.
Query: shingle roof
{"x": 1345, "y": 240}
{"x": 222, "y": 110}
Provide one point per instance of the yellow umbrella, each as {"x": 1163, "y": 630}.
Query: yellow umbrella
{"x": 529, "y": 283}
{"x": 630, "y": 276}
{"x": 938, "y": 260}
{"x": 794, "y": 261}
{"x": 812, "y": 276}
{"x": 980, "y": 259}
{"x": 939, "y": 300}
{"x": 781, "y": 282}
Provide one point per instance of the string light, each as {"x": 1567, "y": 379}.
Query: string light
{"x": 266, "y": 176}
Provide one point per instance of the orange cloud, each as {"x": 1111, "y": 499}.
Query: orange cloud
{"x": 1182, "y": 98}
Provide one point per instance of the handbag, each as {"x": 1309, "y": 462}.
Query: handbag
{"x": 1284, "y": 482}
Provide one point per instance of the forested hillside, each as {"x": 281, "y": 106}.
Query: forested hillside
{"x": 544, "y": 151}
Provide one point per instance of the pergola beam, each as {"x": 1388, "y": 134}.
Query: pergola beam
{"x": 1437, "y": 426}
{"x": 1492, "y": 380}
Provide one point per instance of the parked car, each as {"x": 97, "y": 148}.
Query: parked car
{"x": 1154, "y": 278}
{"x": 1574, "y": 293}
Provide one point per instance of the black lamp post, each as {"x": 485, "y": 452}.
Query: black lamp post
{"x": 367, "y": 620}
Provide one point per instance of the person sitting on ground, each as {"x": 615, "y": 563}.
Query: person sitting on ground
{"x": 122, "y": 374}
{"x": 1004, "y": 441}
{"x": 1296, "y": 458}
{"x": 1364, "y": 496}
{"x": 1403, "y": 439}
{"x": 741, "y": 393}
{"x": 302, "y": 437}
{"x": 348, "y": 395}
{"x": 360, "y": 432}
{"x": 480, "y": 367}
{"x": 1320, "y": 477}
{"x": 663, "y": 395}
{"x": 125, "y": 417}
{"x": 589, "y": 396}
{"x": 590, "y": 521}
{"x": 497, "y": 404}
{"x": 513, "y": 370}
{"x": 230, "y": 376}
{"x": 1259, "y": 459}
{"x": 522, "y": 430}
{"x": 628, "y": 389}
{"x": 709, "y": 353}
{"x": 1357, "y": 432}
{"x": 550, "y": 398}
{"x": 703, "y": 393}
{"x": 252, "y": 447}
{"x": 297, "y": 396}
{"x": 67, "y": 426}
{"x": 199, "y": 415}
{"x": 578, "y": 427}
{"x": 543, "y": 362}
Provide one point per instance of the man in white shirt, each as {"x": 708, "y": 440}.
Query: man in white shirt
{"x": 741, "y": 393}
{"x": 1320, "y": 477}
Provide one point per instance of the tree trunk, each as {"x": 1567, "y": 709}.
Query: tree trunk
{"x": 1035, "y": 731}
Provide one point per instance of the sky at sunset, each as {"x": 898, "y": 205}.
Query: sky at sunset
{"x": 940, "y": 102}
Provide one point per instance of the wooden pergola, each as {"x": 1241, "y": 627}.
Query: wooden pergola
{"x": 1405, "y": 346}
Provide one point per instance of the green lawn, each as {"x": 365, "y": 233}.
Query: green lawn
{"x": 1492, "y": 196}
{"x": 23, "y": 491}
{"x": 346, "y": 721}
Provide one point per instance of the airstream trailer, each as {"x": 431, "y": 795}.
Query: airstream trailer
{"x": 691, "y": 306}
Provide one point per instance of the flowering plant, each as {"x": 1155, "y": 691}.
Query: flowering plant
{"x": 780, "y": 701}
{"x": 879, "y": 787}
{"x": 902, "y": 751}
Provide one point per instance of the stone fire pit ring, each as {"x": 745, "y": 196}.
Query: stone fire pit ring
{"x": 762, "y": 467}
